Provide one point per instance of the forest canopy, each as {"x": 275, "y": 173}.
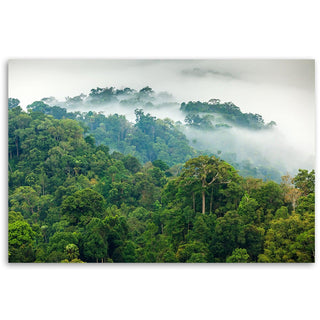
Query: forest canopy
{"x": 227, "y": 110}
{"x": 148, "y": 138}
{"x": 85, "y": 187}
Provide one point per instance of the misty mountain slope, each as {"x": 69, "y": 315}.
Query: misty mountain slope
{"x": 148, "y": 139}
{"x": 215, "y": 128}
{"x": 227, "y": 112}
{"x": 253, "y": 147}
{"x": 243, "y": 149}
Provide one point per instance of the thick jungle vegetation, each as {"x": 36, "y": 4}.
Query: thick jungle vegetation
{"x": 84, "y": 187}
{"x": 226, "y": 111}
{"x": 148, "y": 138}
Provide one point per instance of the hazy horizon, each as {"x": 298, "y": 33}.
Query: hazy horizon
{"x": 279, "y": 90}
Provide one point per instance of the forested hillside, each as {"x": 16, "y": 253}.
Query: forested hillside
{"x": 140, "y": 123}
{"x": 72, "y": 198}
{"x": 148, "y": 139}
{"x": 227, "y": 112}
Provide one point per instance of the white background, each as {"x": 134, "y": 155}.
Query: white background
{"x": 147, "y": 29}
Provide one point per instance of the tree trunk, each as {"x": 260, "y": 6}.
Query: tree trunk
{"x": 194, "y": 202}
{"x": 203, "y": 201}
{"x": 17, "y": 147}
{"x": 211, "y": 200}
{"x": 43, "y": 185}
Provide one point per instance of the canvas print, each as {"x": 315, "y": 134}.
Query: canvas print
{"x": 161, "y": 161}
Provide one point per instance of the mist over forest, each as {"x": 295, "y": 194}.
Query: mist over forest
{"x": 170, "y": 161}
{"x": 254, "y": 148}
{"x": 278, "y": 90}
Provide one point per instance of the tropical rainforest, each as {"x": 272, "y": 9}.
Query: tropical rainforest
{"x": 89, "y": 187}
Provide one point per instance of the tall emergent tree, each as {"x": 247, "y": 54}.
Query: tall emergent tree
{"x": 205, "y": 171}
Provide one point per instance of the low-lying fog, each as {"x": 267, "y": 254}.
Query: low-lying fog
{"x": 258, "y": 146}
{"x": 279, "y": 90}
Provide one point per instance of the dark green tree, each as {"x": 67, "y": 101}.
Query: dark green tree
{"x": 83, "y": 205}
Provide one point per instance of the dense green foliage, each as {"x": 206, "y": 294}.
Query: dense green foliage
{"x": 145, "y": 97}
{"x": 227, "y": 111}
{"x": 148, "y": 139}
{"x": 72, "y": 200}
